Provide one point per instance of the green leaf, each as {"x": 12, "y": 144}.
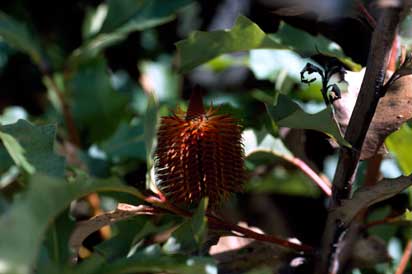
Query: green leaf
{"x": 407, "y": 216}
{"x": 16, "y": 152}
{"x": 399, "y": 144}
{"x": 131, "y": 15}
{"x": 57, "y": 237}
{"x": 190, "y": 235}
{"x": 289, "y": 114}
{"x": 22, "y": 228}
{"x": 122, "y": 238}
{"x": 199, "y": 222}
{"x": 268, "y": 144}
{"x": 150, "y": 125}
{"x": 38, "y": 145}
{"x": 124, "y": 17}
{"x": 201, "y": 47}
{"x": 153, "y": 260}
{"x": 96, "y": 107}
{"x": 18, "y": 35}
{"x": 126, "y": 143}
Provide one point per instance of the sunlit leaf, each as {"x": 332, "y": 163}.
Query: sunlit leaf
{"x": 268, "y": 144}
{"x": 38, "y": 145}
{"x": 201, "y": 47}
{"x": 150, "y": 126}
{"x": 289, "y": 114}
{"x": 399, "y": 143}
{"x": 16, "y": 152}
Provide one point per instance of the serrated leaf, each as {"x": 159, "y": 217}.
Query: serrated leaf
{"x": 18, "y": 35}
{"x": 289, "y": 114}
{"x": 38, "y": 144}
{"x": 97, "y": 108}
{"x": 201, "y": 47}
{"x": 16, "y": 152}
{"x": 22, "y": 228}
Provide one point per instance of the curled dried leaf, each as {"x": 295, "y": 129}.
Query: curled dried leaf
{"x": 393, "y": 110}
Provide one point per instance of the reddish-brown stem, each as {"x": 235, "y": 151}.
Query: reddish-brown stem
{"x": 67, "y": 115}
{"x": 366, "y": 14}
{"x": 387, "y": 220}
{"x": 220, "y": 224}
{"x": 405, "y": 258}
{"x": 324, "y": 185}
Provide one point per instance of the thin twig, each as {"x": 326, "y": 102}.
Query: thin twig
{"x": 405, "y": 258}
{"x": 67, "y": 115}
{"x": 369, "y": 18}
{"x": 364, "y": 110}
{"x": 320, "y": 182}
{"x": 387, "y": 220}
{"x": 248, "y": 233}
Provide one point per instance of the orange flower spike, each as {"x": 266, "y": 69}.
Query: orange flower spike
{"x": 199, "y": 154}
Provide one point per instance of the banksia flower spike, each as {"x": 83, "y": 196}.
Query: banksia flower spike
{"x": 199, "y": 154}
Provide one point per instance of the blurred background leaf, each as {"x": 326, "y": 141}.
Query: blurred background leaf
{"x": 45, "y": 198}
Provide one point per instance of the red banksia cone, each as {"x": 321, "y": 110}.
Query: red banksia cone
{"x": 199, "y": 154}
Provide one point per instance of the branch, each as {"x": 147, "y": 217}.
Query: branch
{"x": 217, "y": 223}
{"x": 124, "y": 211}
{"x": 405, "y": 258}
{"x": 366, "y": 103}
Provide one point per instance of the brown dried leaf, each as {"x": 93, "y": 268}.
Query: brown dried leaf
{"x": 122, "y": 212}
{"x": 367, "y": 196}
{"x": 393, "y": 110}
{"x": 369, "y": 252}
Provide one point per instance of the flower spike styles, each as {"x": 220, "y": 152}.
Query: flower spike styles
{"x": 199, "y": 154}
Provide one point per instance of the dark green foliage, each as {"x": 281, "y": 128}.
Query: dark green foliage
{"x": 112, "y": 70}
